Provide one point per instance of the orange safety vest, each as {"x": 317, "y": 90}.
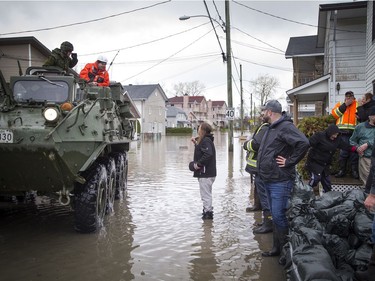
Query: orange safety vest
{"x": 346, "y": 120}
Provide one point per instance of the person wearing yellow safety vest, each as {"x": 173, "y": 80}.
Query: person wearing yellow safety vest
{"x": 345, "y": 115}
{"x": 260, "y": 195}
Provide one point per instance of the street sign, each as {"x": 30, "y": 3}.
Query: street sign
{"x": 230, "y": 114}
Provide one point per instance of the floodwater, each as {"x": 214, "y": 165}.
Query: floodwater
{"x": 156, "y": 231}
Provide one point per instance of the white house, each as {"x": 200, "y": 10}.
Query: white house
{"x": 343, "y": 34}
{"x": 150, "y": 101}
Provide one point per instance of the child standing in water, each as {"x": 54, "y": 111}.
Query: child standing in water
{"x": 204, "y": 166}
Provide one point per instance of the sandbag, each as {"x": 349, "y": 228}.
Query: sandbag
{"x": 339, "y": 225}
{"x": 314, "y": 263}
{"x": 328, "y": 199}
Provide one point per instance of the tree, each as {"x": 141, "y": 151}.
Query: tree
{"x": 264, "y": 87}
{"x": 194, "y": 88}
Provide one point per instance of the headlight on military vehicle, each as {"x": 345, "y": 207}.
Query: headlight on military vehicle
{"x": 51, "y": 114}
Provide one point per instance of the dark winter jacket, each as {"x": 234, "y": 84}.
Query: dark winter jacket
{"x": 205, "y": 157}
{"x": 364, "y": 110}
{"x": 284, "y": 139}
{"x": 323, "y": 148}
{"x": 57, "y": 58}
{"x": 252, "y": 147}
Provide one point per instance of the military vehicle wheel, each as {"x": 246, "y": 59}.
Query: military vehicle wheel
{"x": 122, "y": 174}
{"x": 91, "y": 200}
{"x": 112, "y": 178}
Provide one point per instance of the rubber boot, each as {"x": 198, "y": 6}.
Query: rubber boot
{"x": 275, "y": 251}
{"x": 256, "y": 206}
{"x": 283, "y": 238}
{"x": 369, "y": 274}
{"x": 267, "y": 225}
{"x": 342, "y": 172}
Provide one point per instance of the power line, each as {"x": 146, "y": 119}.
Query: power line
{"x": 293, "y": 21}
{"x": 168, "y": 57}
{"x": 217, "y": 37}
{"x": 84, "y": 22}
{"x": 148, "y": 42}
{"x": 269, "y": 66}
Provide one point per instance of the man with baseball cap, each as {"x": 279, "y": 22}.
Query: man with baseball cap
{"x": 281, "y": 148}
{"x": 346, "y": 120}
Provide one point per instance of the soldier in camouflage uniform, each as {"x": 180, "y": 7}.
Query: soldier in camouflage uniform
{"x": 61, "y": 57}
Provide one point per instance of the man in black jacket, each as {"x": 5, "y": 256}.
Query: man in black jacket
{"x": 323, "y": 147}
{"x": 282, "y": 147}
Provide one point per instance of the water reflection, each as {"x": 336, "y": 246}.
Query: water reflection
{"x": 156, "y": 231}
{"x": 204, "y": 264}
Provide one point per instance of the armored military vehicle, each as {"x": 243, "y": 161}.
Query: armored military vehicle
{"x": 65, "y": 139}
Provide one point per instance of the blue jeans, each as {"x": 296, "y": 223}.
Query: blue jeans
{"x": 261, "y": 189}
{"x": 279, "y": 194}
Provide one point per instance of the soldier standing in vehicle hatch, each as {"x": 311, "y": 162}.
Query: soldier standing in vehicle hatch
{"x": 63, "y": 57}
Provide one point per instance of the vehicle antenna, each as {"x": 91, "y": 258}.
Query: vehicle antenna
{"x": 113, "y": 60}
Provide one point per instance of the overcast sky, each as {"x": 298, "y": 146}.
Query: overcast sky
{"x": 150, "y": 45}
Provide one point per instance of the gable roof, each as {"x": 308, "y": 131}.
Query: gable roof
{"x": 26, "y": 40}
{"x": 143, "y": 92}
{"x": 192, "y": 99}
{"x": 303, "y": 46}
{"x": 173, "y": 111}
{"x": 218, "y": 103}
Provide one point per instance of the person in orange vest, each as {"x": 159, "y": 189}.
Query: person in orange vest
{"x": 95, "y": 73}
{"x": 346, "y": 120}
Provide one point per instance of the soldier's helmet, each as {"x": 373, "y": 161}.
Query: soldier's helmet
{"x": 66, "y": 47}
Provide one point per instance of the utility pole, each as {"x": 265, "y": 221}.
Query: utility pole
{"x": 251, "y": 110}
{"x": 229, "y": 73}
{"x": 241, "y": 100}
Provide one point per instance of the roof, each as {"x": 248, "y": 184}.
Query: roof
{"x": 311, "y": 91}
{"x": 26, "y": 40}
{"x": 218, "y": 103}
{"x": 303, "y": 46}
{"x": 143, "y": 92}
{"x": 173, "y": 111}
{"x": 192, "y": 99}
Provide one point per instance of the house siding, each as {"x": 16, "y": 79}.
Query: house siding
{"x": 348, "y": 54}
{"x": 370, "y": 63}
{"x": 154, "y": 114}
{"x": 26, "y": 54}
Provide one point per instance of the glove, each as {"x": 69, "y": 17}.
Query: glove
{"x": 196, "y": 166}
{"x": 100, "y": 80}
{"x": 74, "y": 56}
{"x": 91, "y": 76}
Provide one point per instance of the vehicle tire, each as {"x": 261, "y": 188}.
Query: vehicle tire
{"x": 122, "y": 174}
{"x": 112, "y": 178}
{"x": 91, "y": 200}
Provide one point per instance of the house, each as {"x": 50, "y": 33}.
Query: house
{"x": 176, "y": 118}
{"x": 150, "y": 101}
{"x": 200, "y": 110}
{"x": 217, "y": 113}
{"x": 25, "y": 51}
{"x": 342, "y": 30}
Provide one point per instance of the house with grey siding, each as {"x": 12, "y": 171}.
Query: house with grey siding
{"x": 370, "y": 47}
{"x": 342, "y": 35}
{"x": 177, "y": 118}
{"x": 150, "y": 101}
